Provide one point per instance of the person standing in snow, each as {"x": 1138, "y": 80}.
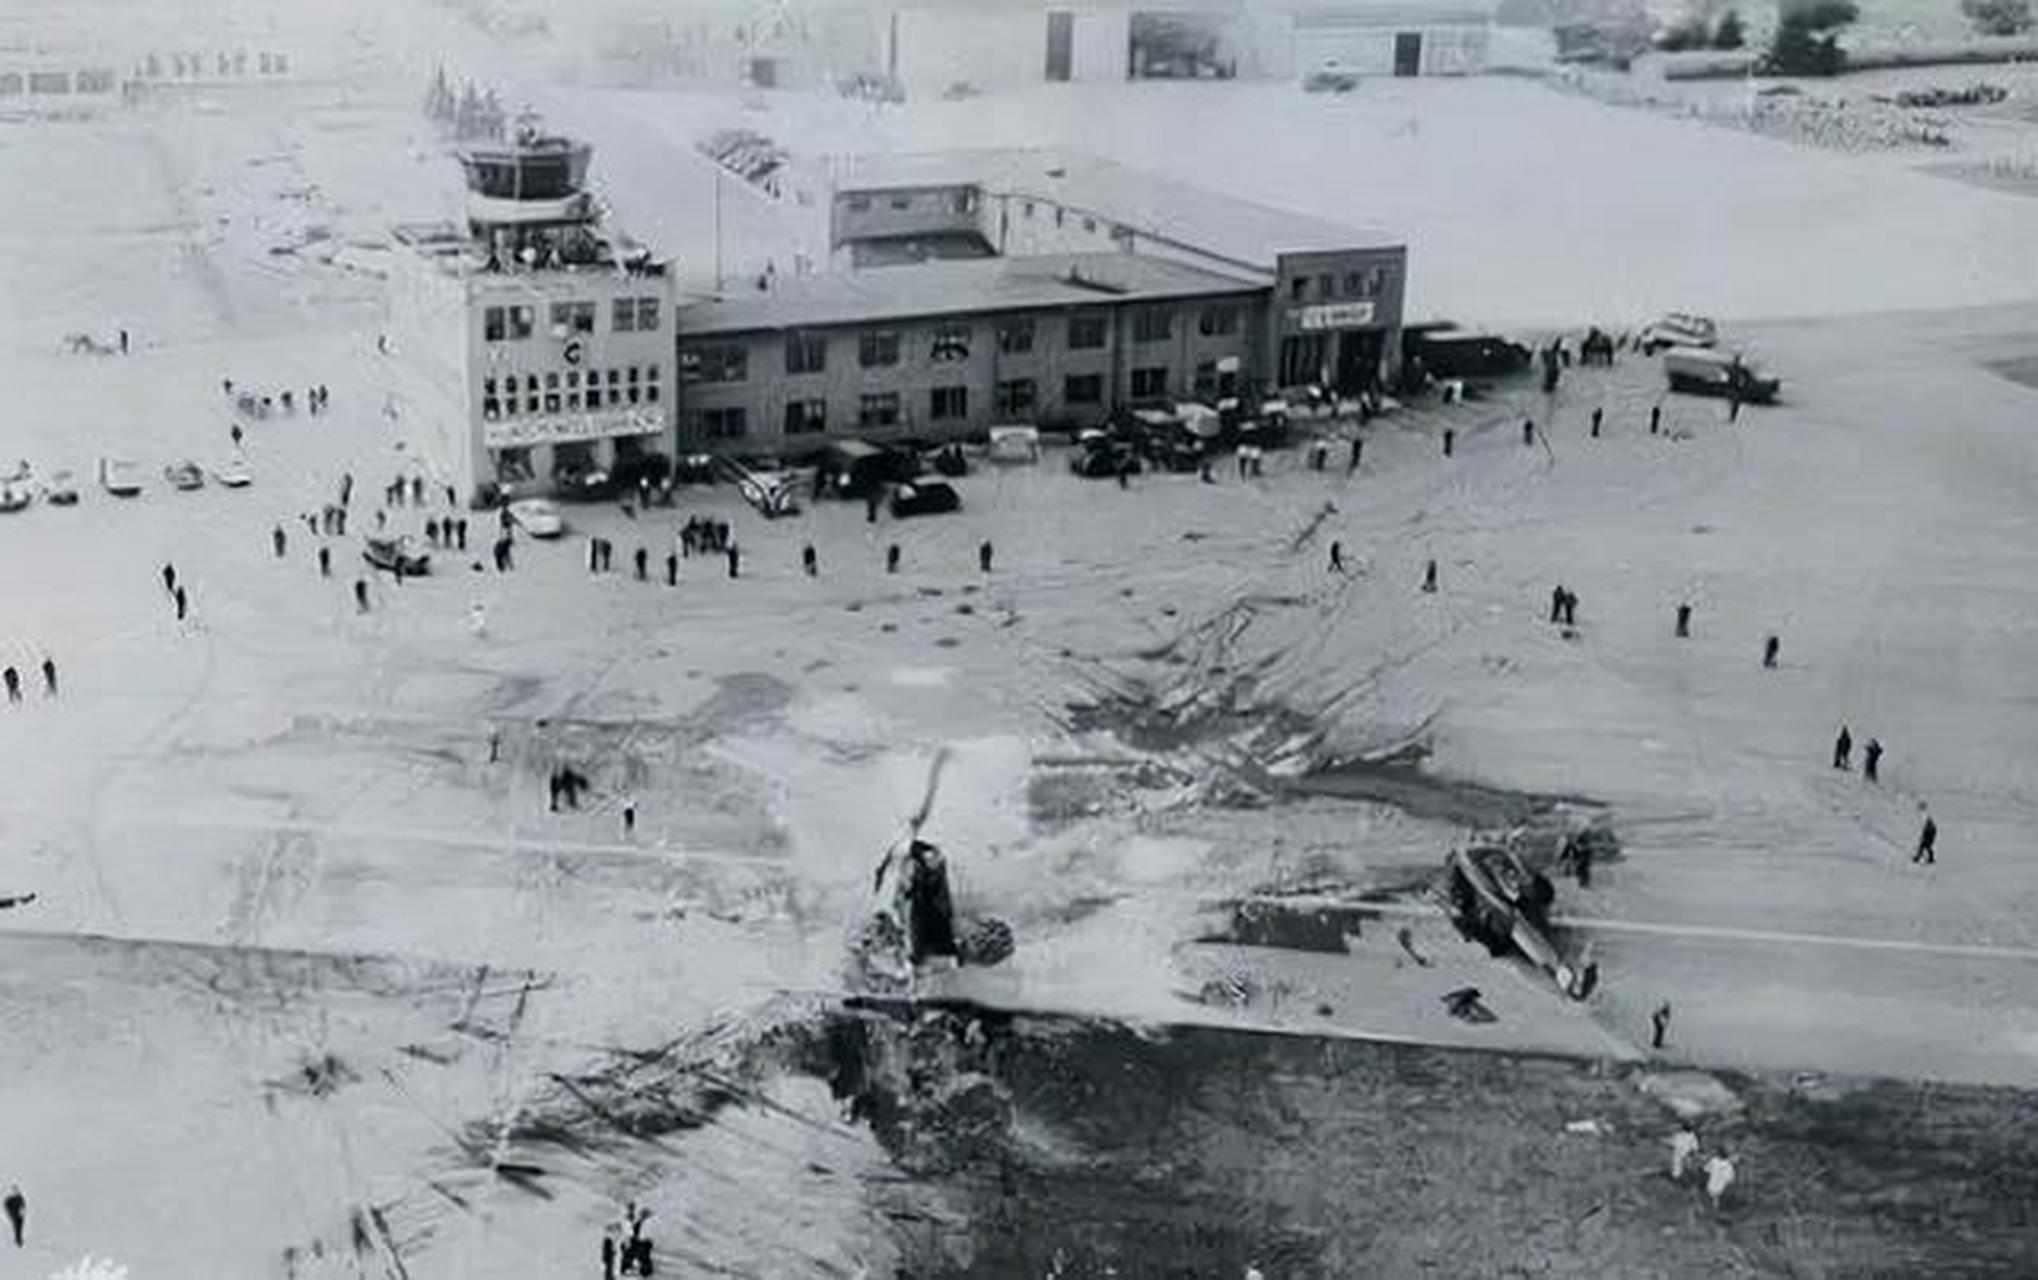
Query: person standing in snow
{"x": 892, "y": 558}
{"x": 1871, "y": 759}
{"x": 1719, "y": 1175}
{"x": 13, "y": 679}
{"x": 1429, "y": 577}
{"x": 1337, "y": 556}
{"x": 1655, "y": 418}
{"x": 671, "y": 569}
{"x": 1683, "y": 1149}
{"x": 279, "y": 541}
{"x": 984, "y": 555}
{"x": 1450, "y": 441}
{"x": 810, "y": 560}
{"x": 1358, "y": 451}
{"x": 360, "y": 595}
{"x": 49, "y": 677}
{"x": 183, "y": 603}
{"x": 1770, "y": 648}
{"x": 16, "y": 1205}
{"x": 1598, "y": 415}
{"x": 1528, "y": 431}
{"x": 1683, "y": 621}
{"x": 1557, "y": 604}
{"x": 1659, "y": 1025}
{"x": 643, "y": 561}
{"x": 1843, "y": 749}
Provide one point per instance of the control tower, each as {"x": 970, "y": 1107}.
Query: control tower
{"x": 536, "y": 341}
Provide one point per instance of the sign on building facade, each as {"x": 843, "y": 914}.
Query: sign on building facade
{"x": 554, "y": 428}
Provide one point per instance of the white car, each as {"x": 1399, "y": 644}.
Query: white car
{"x": 120, "y": 477}
{"x": 1677, "y": 329}
{"x": 538, "y": 517}
{"x": 184, "y": 474}
{"x": 233, "y": 474}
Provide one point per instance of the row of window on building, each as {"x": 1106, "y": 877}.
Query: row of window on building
{"x": 569, "y": 392}
{"x": 1357, "y": 284}
{"x": 516, "y": 322}
{"x": 807, "y": 352}
{"x": 1013, "y": 399}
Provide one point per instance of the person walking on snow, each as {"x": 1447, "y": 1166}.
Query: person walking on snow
{"x": 1337, "y": 556}
{"x": 1770, "y": 647}
{"x": 984, "y": 555}
{"x": 1659, "y": 1025}
{"x": 810, "y": 560}
{"x": 1683, "y": 622}
{"x": 643, "y": 561}
{"x": 16, "y": 1205}
{"x": 1928, "y": 843}
{"x": 1429, "y": 577}
{"x": 671, "y": 569}
{"x": 49, "y": 678}
{"x": 1871, "y": 759}
{"x": 170, "y": 578}
{"x": 279, "y": 541}
{"x": 1358, "y": 450}
{"x": 735, "y": 561}
{"x": 183, "y": 603}
{"x": 13, "y": 679}
{"x": 360, "y": 595}
{"x": 1843, "y": 749}
{"x": 892, "y": 558}
{"x": 1598, "y": 415}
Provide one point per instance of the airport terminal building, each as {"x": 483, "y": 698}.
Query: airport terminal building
{"x": 974, "y": 289}
{"x": 533, "y": 344}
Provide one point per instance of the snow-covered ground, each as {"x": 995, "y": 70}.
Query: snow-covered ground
{"x": 274, "y": 833}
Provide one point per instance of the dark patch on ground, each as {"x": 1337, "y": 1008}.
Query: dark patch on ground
{"x": 1402, "y": 782}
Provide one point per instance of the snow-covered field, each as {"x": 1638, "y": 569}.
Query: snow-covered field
{"x": 274, "y": 833}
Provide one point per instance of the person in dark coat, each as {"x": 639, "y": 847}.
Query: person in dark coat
{"x": 432, "y": 531}
{"x": 360, "y": 595}
{"x": 984, "y": 555}
{"x": 183, "y": 603}
{"x": 16, "y": 1205}
{"x": 1429, "y": 577}
{"x": 1556, "y": 604}
{"x": 170, "y": 578}
{"x": 1843, "y": 749}
{"x": 1871, "y": 760}
{"x": 1655, "y": 418}
{"x": 892, "y": 558}
{"x": 1683, "y": 621}
{"x": 930, "y": 908}
{"x": 642, "y": 560}
{"x": 671, "y": 568}
{"x": 1450, "y": 441}
{"x": 1528, "y": 431}
{"x": 594, "y": 555}
{"x": 49, "y": 680}
{"x": 608, "y": 1257}
{"x": 735, "y": 561}
{"x": 1597, "y": 416}
{"x": 1358, "y": 451}
{"x": 810, "y": 560}
{"x": 1928, "y": 843}
{"x": 1337, "y": 556}
{"x": 13, "y": 681}
{"x": 325, "y": 562}
{"x": 1570, "y": 607}
{"x": 1659, "y": 1025}
{"x": 1770, "y": 648}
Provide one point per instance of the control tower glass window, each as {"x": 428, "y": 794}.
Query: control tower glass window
{"x": 623, "y": 315}
{"x": 521, "y": 323}
{"x": 647, "y": 315}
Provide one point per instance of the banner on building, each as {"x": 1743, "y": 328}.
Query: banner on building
{"x": 553, "y": 428}
{"x": 1335, "y": 315}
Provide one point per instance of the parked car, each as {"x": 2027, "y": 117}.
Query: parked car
{"x": 537, "y": 517}
{"x": 120, "y": 477}
{"x": 15, "y": 495}
{"x": 1677, "y": 329}
{"x": 594, "y": 485}
{"x": 925, "y": 498}
{"x": 397, "y": 554}
{"x": 1450, "y": 354}
{"x": 233, "y": 474}
{"x": 1100, "y": 457}
{"x": 1015, "y": 444}
{"x": 695, "y": 468}
{"x": 184, "y": 474}
{"x": 1704, "y": 371}
{"x": 61, "y": 489}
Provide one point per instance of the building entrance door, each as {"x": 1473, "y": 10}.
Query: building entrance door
{"x": 1061, "y": 44}
{"x": 1408, "y": 53}
{"x": 1358, "y": 360}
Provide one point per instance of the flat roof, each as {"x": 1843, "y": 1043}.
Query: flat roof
{"x": 956, "y": 287}
{"x": 1162, "y": 208}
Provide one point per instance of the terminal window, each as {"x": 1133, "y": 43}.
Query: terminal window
{"x": 948, "y": 402}
{"x": 623, "y": 315}
{"x": 1083, "y": 388}
{"x": 878, "y": 350}
{"x": 806, "y": 417}
{"x": 1218, "y": 322}
{"x": 1015, "y": 337}
{"x": 859, "y": 204}
{"x": 951, "y": 342}
{"x": 879, "y": 409}
{"x": 551, "y": 402}
{"x": 521, "y": 321}
{"x": 724, "y": 424}
{"x": 730, "y": 363}
{"x": 494, "y": 324}
{"x": 806, "y": 353}
{"x": 647, "y": 315}
{"x": 1152, "y": 324}
{"x": 1150, "y": 383}
{"x": 573, "y": 317}
{"x": 1016, "y": 396}
{"x": 1086, "y": 331}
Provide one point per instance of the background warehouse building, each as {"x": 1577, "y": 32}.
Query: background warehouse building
{"x": 931, "y": 45}
{"x": 978, "y": 288}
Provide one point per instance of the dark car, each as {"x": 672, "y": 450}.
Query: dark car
{"x": 925, "y": 498}
{"x": 593, "y": 485}
{"x": 1451, "y": 354}
{"x": 398, "y": 555}
{"x": 1101, "y": 457}
{"x": 695, "y": 468}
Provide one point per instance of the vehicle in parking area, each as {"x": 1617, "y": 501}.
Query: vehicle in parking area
{"x": 233, "y": 474}
{"x": 120, "y": 477}
{"x": 925, "y": 498}
{"x": 61, "y": 489}
{"x": 950, "y": 460}
{"x": 695, "y": 468}
{"x": 15, "y": 495}
{"x": 184, "y": 474}
{"x": 1451, "y": 353}
{"x": 537, "y": 517}
{"x": 19, "y": 471}
{"x": 1677, "y": 329}
{"x": 1015, "y": 444}
{"x": 1099, "y": 457}
{"x": 592, "y": 485}
{"x": 397, "y": 554}
{"x": 1706, "y": 372}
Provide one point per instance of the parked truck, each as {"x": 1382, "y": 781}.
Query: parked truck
{"x": 1708, "y": 372}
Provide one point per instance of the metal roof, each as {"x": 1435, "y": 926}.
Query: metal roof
{"x": 1215, "y": 223}
{"x": 953, "y": 288}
